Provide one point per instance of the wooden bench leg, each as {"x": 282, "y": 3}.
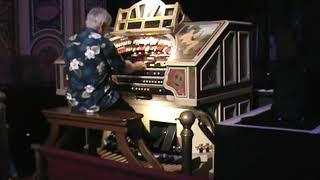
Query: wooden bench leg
{"x": 125, "y": 149}
{"x": 147, "y": 154}
{"x": 54, "y": 132}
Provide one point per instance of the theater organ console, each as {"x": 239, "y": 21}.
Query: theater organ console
{"x": 201, "y": 66}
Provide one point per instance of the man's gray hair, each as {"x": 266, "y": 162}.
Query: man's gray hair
{"x": 97, "y": 16}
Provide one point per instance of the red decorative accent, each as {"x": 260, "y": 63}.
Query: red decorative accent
{"x": 168, "y": 50}
{"x": 160, "y": 47}
{"x": 177, "y": 80}
{"x": 66, "y": 165}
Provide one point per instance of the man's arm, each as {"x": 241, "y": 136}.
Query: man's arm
{"x": 118, "y": 64}
{"x": 132, "y": 67}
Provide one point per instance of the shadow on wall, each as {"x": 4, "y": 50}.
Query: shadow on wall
{"x": 27, "y": 123}
{"x": 29, "y": 84}
{"x": 5, "y": 70}
{"x": 26, "y": 71}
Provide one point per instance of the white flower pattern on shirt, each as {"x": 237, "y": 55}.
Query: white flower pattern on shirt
{"x": 90, "y": 59}
{"x": 68, "y": 96}
{"x": 89, "y": 88}
{"x": 71, "y": 100}
{"x": 74, "y": 64}
{"x": 106, "y": 88}
{"x": 94, "y": 35}
{"x": 95, "y": 108}
{"x": 100, "y": 67}
{"x": 72, "y": 38}
{"x": 89, "y": 53}
{"x": 95, "y": 49}
{"x": 92, "y": 51}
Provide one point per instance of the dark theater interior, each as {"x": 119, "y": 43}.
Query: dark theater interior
{"x": 229, "y": 91}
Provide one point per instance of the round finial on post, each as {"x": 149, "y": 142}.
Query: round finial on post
{"x": 187, "y": 119}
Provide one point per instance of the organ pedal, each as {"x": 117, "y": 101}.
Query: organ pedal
{"x": 104, "y": 154}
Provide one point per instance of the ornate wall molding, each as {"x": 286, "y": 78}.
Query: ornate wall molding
{"x": 46, "y": 16}
{"x": 5, "y": 35}
{"x": 6, "y": 24}
{"x": 5, "y": 6}
{"x": 24, "y": 27}
{"x": 47, "y": 47}
{"x": 41, "y": 19}
{"x": 58, "y": 18}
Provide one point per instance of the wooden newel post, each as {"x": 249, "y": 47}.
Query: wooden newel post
{"x": 4, "y": 150}
{"x": 187, "y": 119}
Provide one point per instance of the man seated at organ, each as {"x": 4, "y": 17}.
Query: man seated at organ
{"x": 90, "y": 60}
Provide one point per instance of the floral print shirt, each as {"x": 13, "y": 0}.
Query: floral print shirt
{"x": 90, "y": 60}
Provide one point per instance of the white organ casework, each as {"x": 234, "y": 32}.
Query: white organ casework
{"x": 200, "y": 66}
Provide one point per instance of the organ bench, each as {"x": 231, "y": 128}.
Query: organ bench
{"x": 120, "y": 122}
